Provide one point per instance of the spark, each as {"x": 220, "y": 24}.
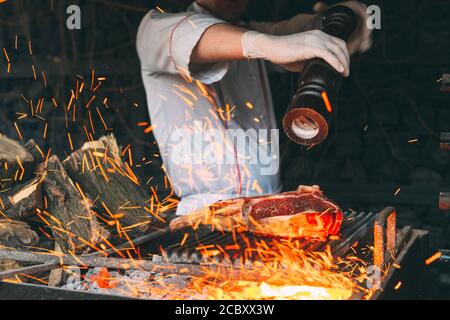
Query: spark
{"x": 34, "y": 72}
{"x": 6, "y": 55}
{"x": 45, "y": 130}
{"x": 70, "y": 141}
{"x": 159, "y": 9}
{"x": 150, "y": 129}
{"x": 44, "y": 78}
{"x": 433, "y": 258}
{"x": 21, "y": 115}
{"x": 90, "y": 101}
{"x": 101, "y": 118}
{"x": 18, "y": 131}
{"x": 183, "y": 241}
{"x": 192, "y": 24}
{"x": 256, "y": 187}
{"x": 70, "y": 101}
{"x": 92, "y": 79}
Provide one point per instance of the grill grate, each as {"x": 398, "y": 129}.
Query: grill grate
{"x": 356, "y": 226}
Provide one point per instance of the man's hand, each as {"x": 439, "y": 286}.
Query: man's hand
{"x": 292, "y": 51}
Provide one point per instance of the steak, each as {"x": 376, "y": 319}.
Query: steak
{"x": 304, "y": 213}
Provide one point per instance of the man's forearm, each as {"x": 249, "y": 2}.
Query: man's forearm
{"x": 224, "y": 42}
{"x": 221, "y": 42}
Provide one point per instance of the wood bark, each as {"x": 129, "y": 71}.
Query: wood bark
{"x": 69, "y": 213}
{"x": 110, "y": 182}
{"x": 15, "y": 162}
{"x": 21, "y": 201}
{"x": 16, "y": 234}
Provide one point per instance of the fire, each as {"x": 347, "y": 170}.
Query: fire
{"x": 103, "y": 279}
{"x": 263, "y": 291}
{"x": 283, "y": 271}
{"x": 303, "y": 292}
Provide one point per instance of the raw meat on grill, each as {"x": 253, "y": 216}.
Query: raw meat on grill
{"x": 305, "y": 213}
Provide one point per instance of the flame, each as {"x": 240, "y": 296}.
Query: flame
{"x": 283, "y": 271}
{"x": 103, "y": 279}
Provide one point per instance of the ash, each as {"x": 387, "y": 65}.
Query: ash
{"x": 131, "y": 283}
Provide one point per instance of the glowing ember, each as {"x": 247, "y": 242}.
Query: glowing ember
{"x": 263, "y": 291}
{"x": 103, "y": 279}
{"x": 304, "y": 292}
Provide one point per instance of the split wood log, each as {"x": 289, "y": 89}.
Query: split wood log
{"x": 69, "y": 213}
{"x": 6, "y": 265}
{"x": 105, "y": 178}
{"x": 15, "y": 161}
{"x": 57, "y": 276}
{"x": 16, "y": 234}
{"x": 35, "y": 151}
{"x": 21, "y": 201}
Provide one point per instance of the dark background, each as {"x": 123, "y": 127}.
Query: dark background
{"x": 391, "y": 98}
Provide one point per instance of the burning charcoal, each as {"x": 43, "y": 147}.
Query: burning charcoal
{"x": 138, "y": 275}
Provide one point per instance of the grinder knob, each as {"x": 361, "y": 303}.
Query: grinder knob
{"x": 305, "y": 122}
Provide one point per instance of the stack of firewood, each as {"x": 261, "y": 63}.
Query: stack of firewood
{"x": 78, "y": 203}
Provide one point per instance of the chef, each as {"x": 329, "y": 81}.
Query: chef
{"x": 208, "y": 93}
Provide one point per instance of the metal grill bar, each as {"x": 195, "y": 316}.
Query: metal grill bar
{"x": 356, "y": 226}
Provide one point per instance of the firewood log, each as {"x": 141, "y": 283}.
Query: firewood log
{"x": 110, "y": 182}
{"x": 16, "y": 234}
{"x": 69, "y": 213}
{"x": 6, "y": 265}
{"x": 34, "y": 150}
{"x": 15, "y": 162}
{"x": 21, "y": 201}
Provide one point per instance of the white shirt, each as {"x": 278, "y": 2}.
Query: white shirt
{"x": 186, "y": 100}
